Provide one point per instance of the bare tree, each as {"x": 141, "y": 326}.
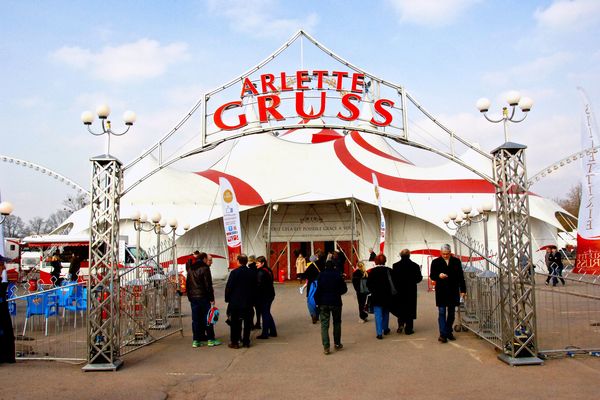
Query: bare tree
{"x": 74, "y": 203}
{"x": 572, "y": 200}
{"x": 36, "y": 226}
{"x": 57, "y": 218}
{"x": 14, "y": 226}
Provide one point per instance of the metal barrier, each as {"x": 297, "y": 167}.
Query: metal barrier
{"x": 150, "y": 303}
{"x": 568, "y": 316}
{"x": 49, "y": 324}
{"x": 481, "y": 312}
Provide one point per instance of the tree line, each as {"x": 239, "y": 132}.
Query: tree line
{"x": 14, "y": 226}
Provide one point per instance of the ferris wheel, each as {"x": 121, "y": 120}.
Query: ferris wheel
{"x": 44, "y": 170}
{"x": 560, "y": 164}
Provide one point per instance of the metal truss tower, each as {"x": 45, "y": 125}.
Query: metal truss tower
{"x": 103, "y": 284}
{"x": 514, "y": 245}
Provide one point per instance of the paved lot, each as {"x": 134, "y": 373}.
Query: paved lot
{"x": 292, "y": 366}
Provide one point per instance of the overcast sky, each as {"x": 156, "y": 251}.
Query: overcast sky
{"x": 157, "y": 58}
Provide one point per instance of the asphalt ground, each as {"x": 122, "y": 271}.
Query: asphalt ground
{"x": 293, "y": 366}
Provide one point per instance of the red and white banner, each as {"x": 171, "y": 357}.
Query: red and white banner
{"x": 231, "y": 221}
{"x": 382, "y": 225}
{"x": 588, "y": 228}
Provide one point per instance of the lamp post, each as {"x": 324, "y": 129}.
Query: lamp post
{"x": 103, "y": 111}
{"x": 518, "y": 311}
{"x": 175, "y": 301}
{"x": 469, "y": 216}
{"x": 103, "y": 329}
{"x": 6, "y": 208}
{"x": 514, "y": 99}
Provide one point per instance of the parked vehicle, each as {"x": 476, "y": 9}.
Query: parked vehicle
{"x": 36, "y": 258}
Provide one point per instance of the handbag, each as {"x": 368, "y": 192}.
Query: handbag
{"x": 363, "y": 286}
{"x": 213, "y": 316}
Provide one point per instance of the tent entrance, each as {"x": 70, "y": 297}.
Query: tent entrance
{"x": 283, "y": 256}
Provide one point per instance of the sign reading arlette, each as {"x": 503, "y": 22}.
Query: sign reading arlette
{"x": 350, "y": 86}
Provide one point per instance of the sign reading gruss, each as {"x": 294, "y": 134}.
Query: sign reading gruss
{"x": 349, "y": 86}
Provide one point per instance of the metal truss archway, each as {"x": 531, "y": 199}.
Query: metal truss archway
{"x": 507, "y": 174}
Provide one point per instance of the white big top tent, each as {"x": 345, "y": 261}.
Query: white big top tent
{"x": 297, "y": 187}
{"x": 312, "y": 180}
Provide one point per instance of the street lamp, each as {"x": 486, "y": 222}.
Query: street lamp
{"x": 466, "y": 217}
{"x": 6, "y": 208}
{"x": 103, "y": 111}
{"x": 175, "y": 311}
{"x": 514, "y": 99}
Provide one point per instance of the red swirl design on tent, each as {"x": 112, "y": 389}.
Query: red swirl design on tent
{"x": 245, "y": 194}
{"x": 409, "y": 185}
{"x": 358, "y": 139}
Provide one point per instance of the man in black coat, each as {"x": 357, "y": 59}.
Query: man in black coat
{"x": 252, "y": 266}
{"x": 201, "y": 295}
{"x": 330, "y": 288}
{"x": 406, "y": 274}
{"x": 447, "y": 273}
{"x": 240, "y": 293}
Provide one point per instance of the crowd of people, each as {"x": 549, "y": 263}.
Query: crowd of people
{"x": 381, "y": 290}
{"x": 249, "y": 288}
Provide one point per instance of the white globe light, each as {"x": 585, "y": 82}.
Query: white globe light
{"x": 513, "y": 97}
{"x": 459, "y": 219}
{"x": 525, "y": 104}
{"x": 103, "y": 111}
{"x": 466, "y": 209}
{"x": 135, "y": 215}
{"x": 143, "y": 217}
{"x": 452, "y": 216}
{"x": 162, "y": 223}
{"x": 487, "y": 206}
{"x": 6, "y": 208}
{"x": 446, "y": 220}
{"x": 87, "y": 117}
{"x": 129, "y": 117}
{"x": 173, "y": 223}
{"x": 483, "y": 104}
{"x": 186, "y": 227}
{"x": 156, "y": 217}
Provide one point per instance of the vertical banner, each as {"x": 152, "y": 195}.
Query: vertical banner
{"x": 2, "y": 252}
{"x": 231, "y": 221}
{"x": 588, "y": 227}
{"x": 382, "y": 225}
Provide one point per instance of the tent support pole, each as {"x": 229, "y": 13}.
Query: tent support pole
{"x": 269, "y": 231}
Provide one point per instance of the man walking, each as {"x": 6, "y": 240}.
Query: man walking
{"x": 240, "y": 293}
{"x": 406, "y": 274}
{"x": 201, "y": 296}
{"x": 447, "y": 273}
{"x": 330, "y": 288}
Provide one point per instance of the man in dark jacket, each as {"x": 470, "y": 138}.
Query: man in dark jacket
{"x": 330, "y": 288}
{"x": 252, "y": 266}
{"x": 240, "y": 293}
{"x": 201, "y": 296}
{"x": 406, "y": 274}
{"x": 447, "y": 273}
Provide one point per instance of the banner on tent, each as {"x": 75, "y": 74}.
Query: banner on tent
{"x": 588, "y": 228}
{"x": 231, "y": 221}
{"x": 382, "y": 224}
